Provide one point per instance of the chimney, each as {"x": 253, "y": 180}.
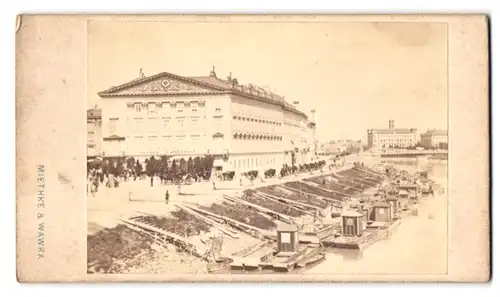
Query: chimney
{"x": 212, "y": 73}
{"x": 229, "y": 78}
{"x": 391, "y": 124}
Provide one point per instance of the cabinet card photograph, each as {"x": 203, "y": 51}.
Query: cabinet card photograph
{"x": 252, "y": 148}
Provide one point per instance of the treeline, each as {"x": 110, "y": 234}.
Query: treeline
{"x": 271, "y": 172}
{"x": 198, "y": 167}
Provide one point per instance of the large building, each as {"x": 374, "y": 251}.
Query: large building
{"x": 243, "y": 126}
{"x": 434, "y": 139}
{"x": 94, "y": 132}
{"x": 392, "y": 137}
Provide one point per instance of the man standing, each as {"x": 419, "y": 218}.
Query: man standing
{"x": 152, "y": 179}
{"x": 167, "y": 196}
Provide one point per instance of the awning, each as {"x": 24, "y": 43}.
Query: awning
{"x": 113, "y": 137}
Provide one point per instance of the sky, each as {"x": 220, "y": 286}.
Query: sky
{"x": 356, "y": 75}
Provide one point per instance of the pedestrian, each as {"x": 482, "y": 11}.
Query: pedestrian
{"x": 152, "y": 179}
{"x": 213, "y": 183}
{"x": 167, "y": 196}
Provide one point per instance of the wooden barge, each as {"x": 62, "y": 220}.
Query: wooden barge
{"x": 363, "y": 226}
{"x": 288, "y": 255}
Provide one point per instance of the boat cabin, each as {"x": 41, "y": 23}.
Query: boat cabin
{"x": 382, "y": 212}
{"x": 412, "y": 189}
{"x": 403, "y": 194}
{"x": 352, "y": 224}
{"x": 288, "y": 238}
{"x": 395, "y": 203}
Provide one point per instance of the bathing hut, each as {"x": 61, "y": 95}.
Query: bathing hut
{"x": 412, "y": 190}
{"x": 352, "y": 224}
{"x": 403, "y": 194}
{"x": 394, "y": 201}
{"x": 382, "y": 212}
{"x": 288, "y": 238}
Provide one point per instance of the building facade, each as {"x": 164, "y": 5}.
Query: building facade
{"x": 243, "y": 126}
{"x": 434, "y": 138}
{"x": 392, "y": 137}
{"x": 337, "y": 147}
{"x": 94, "y": 132}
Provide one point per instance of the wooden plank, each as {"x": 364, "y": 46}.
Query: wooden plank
{"x": 340, "y": 182}
{"x": 290, "y": 201}
{"x": 323, "y": 198}
{"x": 156, "y": 229}
{"x": 303, "y": 262}
{"x": 370, "y": 172}
{"x": 174, "y": 237}
{"x": 313, "y": 184}
{"x": 231, "y": 221}
{"x": 251, "y": 249}
{"x": 228, "y": 232}
{"x": 350, "y": 179}
{"x": 209, "y": 220}
{"x": 364, "y": 180}
{"x": 285, "y": 202}
{"x": 269, "y": 212}
{"x": 335, "y": 191}
{"x": 142, "y": 231}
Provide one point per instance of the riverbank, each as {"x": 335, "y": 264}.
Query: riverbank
{"x": 113, "y": 205}
{"x": 303, "y": 193}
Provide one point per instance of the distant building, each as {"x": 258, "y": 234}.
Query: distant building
{"x": 94, "y": 132}
{"x": 244, "y": 127}
{"x": 434, "y": 138}
{"x": 392, "y": 137}
{"x": 337, "y": 147}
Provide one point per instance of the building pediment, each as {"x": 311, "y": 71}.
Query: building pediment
{"x": 161, "y": 84}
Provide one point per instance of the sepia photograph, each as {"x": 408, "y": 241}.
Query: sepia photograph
{"x": 252, "y": 148}
{"x": 234, "y": 147}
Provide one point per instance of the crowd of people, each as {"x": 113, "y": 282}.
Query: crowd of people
{"x": 110, "y": 172}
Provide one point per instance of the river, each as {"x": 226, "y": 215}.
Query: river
{"x": 418, "y": 246}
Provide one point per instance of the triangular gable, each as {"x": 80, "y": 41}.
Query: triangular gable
{"x": 161, "y": 84}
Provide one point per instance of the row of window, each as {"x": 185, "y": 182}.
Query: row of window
{"x": 151, "y": 107}
{"x": 239, "y": 118}
{"x": 395, "y": 140}
{"x": 167, "y": 152}
{"x": 395, "y": 137}
{"x": 246, "y": 136}
{"x": 251, "y": 162}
